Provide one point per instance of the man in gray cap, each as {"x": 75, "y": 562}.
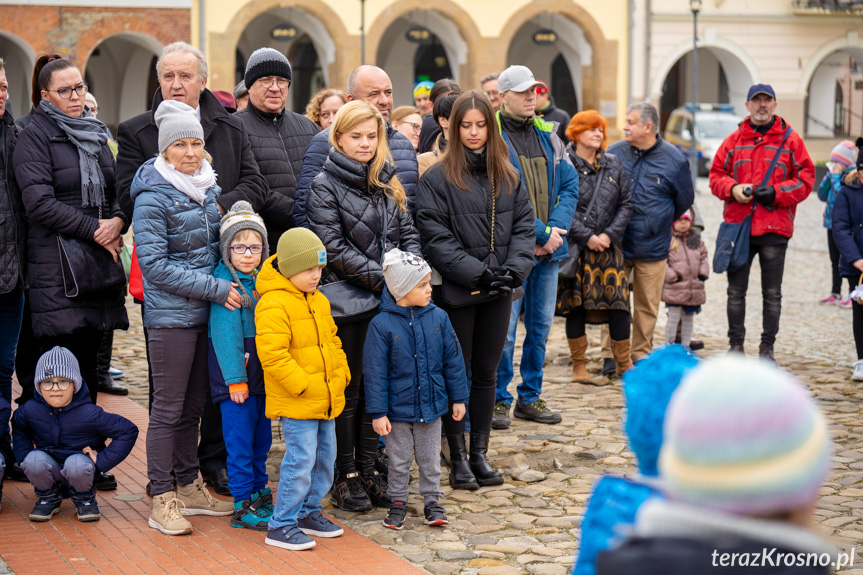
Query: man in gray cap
{"x": 241, "y": 95}
{"x": 278, "y": 136}
{"x": 552, "y": 186}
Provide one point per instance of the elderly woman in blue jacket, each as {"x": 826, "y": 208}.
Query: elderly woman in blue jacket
{"x": 177, "y": 238}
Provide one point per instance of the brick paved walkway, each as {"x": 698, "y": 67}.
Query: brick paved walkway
{"x": 123, "y": 543}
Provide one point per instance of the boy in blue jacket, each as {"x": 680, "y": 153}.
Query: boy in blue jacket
{"x": 60, "y": 436}
{"x": 413, "y": 369}
{"x": 236, "y": 376}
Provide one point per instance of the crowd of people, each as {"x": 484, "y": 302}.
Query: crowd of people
{"x": 358, "y": 273}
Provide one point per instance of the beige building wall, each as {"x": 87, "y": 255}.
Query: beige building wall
{"x": 479, "y": 36}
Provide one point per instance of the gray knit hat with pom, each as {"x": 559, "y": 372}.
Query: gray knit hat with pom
{"x": 241, "y": 217}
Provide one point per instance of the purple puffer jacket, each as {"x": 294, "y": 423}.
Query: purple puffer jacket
{"x": 682, "y": 286}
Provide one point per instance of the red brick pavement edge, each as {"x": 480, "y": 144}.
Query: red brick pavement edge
{"x": 122, "y": 542}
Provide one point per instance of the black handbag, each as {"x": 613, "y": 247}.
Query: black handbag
{"x": 569, "y": 267}
{"x": 87, "y": 267}
{"x": 349, "y": 303}
{"x": 732, "y": 240}
{"x": 456, "y": 295}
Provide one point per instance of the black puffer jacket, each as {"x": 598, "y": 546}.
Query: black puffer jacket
{"x": 348, "y": 217}
{"x": 13, "y": 228}
{"x": 613, "y": 208}
{"x": 224, "y": 138}
{"x": 47, "y": 170}
{"x": 279, "y": 143}
{"x": 455, "y": 226}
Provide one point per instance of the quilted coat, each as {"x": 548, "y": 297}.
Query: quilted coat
{"x": 177, "y": 241}
{"x": 412, "y": 363}
{"x": 13, "y": 230}
{"x": 305, "y": 369}
{"x": 348, "y": 217}
{"x": 685, "y": 264}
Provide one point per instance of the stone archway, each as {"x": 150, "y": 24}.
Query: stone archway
{"x": 835, "y": 67}
{"x": 321, "y": 26}
{"x": 19, "y": 59}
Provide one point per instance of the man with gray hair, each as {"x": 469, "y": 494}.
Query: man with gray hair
{"x": 662, "y": 191}
{"x": 182, "y": 74}
{"x": 373, "y": 85}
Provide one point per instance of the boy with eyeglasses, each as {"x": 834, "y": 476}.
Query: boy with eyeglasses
{"x": 236, "y": 377}
{"x": 60, "y": 438}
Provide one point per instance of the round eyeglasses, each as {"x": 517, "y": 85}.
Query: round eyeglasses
{"x": 240, "y": 249}
{"x": 61, "y": 384}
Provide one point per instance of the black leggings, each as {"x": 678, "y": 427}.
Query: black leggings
{"x": 857, "y": 321}
{"x": 618, "y": 324}
{"x": 356, "y": 440}
{"x": 835, "y": 278}
{"x": 481, "y": 331}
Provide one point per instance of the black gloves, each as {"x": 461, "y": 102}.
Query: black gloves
{"x": 702, "y": 278}
{"x": 764, "y": 195}
{"x": 498, "y": 282}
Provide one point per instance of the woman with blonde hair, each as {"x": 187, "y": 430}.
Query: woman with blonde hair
{"x": 323, "y": 106}
{"x": 592, "y": 285}
{"x": 408, "y": 121}
{"x": 358, "y": 208}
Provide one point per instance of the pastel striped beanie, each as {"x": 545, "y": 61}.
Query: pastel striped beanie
{"x": 844, "y": 153}
{"x": 743, "y": 437}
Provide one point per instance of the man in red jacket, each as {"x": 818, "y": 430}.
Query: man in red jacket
{"x": 737, "y": 178}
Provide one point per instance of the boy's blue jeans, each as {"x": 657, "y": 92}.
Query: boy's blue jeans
{"x": 248, "y": 437}
{"x": 45, "y": 473}
{"x": 540, "y": 296}
{"x": 306, "y": 471}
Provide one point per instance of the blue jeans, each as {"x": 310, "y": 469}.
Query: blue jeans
{"x": 11, "y": 310}
{"x": 248, "y": 437}
{"x": 45, "y": 473}
{"x": 540, "y": 295}
{"x": 306, "y": 471}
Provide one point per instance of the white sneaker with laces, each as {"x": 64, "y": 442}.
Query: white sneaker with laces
{"x": 858, "y": 371}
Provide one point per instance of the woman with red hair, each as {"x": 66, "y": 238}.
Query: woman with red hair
{"x": 593, "y": 287}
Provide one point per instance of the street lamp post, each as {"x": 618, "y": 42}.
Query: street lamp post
{"x": 362, "y": 31}
{"x": 695, "y": 7}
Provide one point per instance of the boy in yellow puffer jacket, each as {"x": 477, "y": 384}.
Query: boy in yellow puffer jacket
{"x": 305, "y": 375}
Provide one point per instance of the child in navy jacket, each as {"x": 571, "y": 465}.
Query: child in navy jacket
{"x": 236, "y": 376}
{"x": 60, "y": 438}
{"x": 413, "y": 369}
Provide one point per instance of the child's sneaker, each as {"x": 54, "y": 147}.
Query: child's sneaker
{"x": 395, "y": 519}
{"x": 198, "y": 500}
{"x": 348, "y": 492}
{"x": 166, "y": 516}
{"x": 262, "y": 502}
{"x": 845, "y": 303}
{"x": 316, "y": 524}
{"x": 290, "y": 538}
{"x": 88, "y": 509}
{"x": 376, "y": 486}
{"x": 856, "y": 376}
{"x": 246, "y": 516}
{"x": 832, "y": 298}
{"x": 47, "y": 506}
{"x": 435, "y": 514}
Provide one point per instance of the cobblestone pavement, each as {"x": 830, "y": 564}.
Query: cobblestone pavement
{"x": 531, "y": 523}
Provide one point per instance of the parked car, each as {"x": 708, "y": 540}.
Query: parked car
{"x": 714, "y": 123}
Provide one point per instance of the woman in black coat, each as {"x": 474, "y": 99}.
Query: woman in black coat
{"x": 65, "y": 171}
{"x": 593, "y": 287}
{"x": 477, "y": 228}
{"x": 349, "y": 204}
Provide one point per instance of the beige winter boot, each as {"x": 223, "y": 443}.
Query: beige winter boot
{"x": 621, "y": 350}
{"x": 198, "y": 500}
{"x": 577, "y": 351}
{"x": 166, "y": 516}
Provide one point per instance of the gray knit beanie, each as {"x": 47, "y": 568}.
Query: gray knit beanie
{"x": 403, "y": 271}
{"x": 267, "y": 62}
{"x": 176, "y": 121}
{"x": 58, "y": 362}
{"x": 240, "y": 217}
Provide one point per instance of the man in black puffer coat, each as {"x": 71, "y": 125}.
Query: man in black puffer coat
{"x": 278, "y": 137}
{"x": 373, "y": 85}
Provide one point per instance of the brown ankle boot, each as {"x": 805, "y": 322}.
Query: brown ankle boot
{"x": 577, "y": 350}
{"x": 621, "y": 350}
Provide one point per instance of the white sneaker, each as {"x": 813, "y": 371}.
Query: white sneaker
{"x": 858, "y": 371}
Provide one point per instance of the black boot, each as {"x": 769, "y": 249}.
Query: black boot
{"x": 482, "y": 470}
{"x": 460, "y": 474}
{"x": 103, "y": 367}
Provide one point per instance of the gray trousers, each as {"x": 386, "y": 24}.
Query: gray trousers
{"x": 178, "y": 359}
{"x": 404, "y": 441}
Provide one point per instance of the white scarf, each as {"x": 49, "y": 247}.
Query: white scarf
{"x": 194, "y": 186}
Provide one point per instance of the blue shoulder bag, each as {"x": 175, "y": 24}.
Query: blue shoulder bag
{"x": 732, "y": 241}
